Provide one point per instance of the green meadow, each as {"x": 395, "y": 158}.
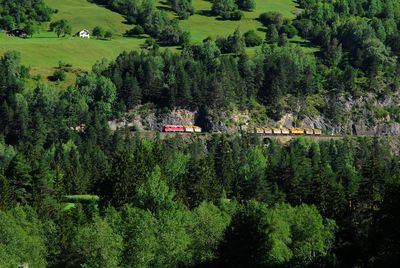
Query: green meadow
{"x": 202, "y": 25}
{"x": 82, "y": 14}
{"x": 44, "y": 51}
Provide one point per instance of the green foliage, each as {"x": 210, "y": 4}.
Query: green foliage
{"x": 22, "y": 239}
{"x": 207, "y": 231}
{"x": 154, "y": 194}
{"x": 252, "y": 39}
{"x": 98, "y": 245}
{"x": 98, "y": 32}
{"x": 108, "y": 34}
{"x": 226, "y": 9}
{"x": 98, "y": 92}
{"x": 23, "y": 12}
{"x": 81, "y": 198}
{"x": 271, "y": 18}
{"x": 59, "y": 75}
{"x": 150, "y": 202}
{"x": 152, "y": 20}
{"x": 247, "y": 5}
{"x": 183, "y": 8}
{"x": 263, "y": 236}
{"x": 30, "y": 28}
{"x": 61, "y": 27}
{"x": 234, "y": 43}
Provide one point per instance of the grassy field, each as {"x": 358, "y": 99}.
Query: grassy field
{"x": 46, "y": 50}
{"x": 201, "y": 25}
{"x": 43, "y": 52}
{"x": 84, "y": 15}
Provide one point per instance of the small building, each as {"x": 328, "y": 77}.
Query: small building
{"x": 83, "y": 34}
{"x": 18, "y": 33}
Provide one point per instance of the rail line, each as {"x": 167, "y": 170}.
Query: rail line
{"x": 279, "y": 137}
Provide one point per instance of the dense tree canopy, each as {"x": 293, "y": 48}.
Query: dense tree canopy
{"x": 14, "y": 13}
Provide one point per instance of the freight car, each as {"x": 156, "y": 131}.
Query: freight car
{"x": 286, "y": 131}
{"x": 181, "y": 128}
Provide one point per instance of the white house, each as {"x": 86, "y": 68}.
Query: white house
{"x": 84, "y": 34}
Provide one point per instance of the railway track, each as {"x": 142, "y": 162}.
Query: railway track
{"x": 279, "y": 137}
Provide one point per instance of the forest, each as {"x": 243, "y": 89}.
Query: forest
{"x": 17, "y": 13}
{"x": 73, "y": 193}
{"x": 358, "y": 56}
{"x": 89, "y": 197}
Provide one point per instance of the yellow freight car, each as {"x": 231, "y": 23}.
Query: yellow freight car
{"x": 276, "y": 131}
{"x": 259, "y": 130}
{"x": 297, "y": 131}
{"x": 309, "y": 131}
{"x": 285, "y": 131}
{"x": 267, "y": 130}
{"x": 317, "y": 131}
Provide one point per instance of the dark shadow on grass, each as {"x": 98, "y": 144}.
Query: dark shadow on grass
{"x": 302, "y": 43}
{"x": 109, "y": 8}
{"x": 306, "y": 44}
{"x": 126, "y": 22}
{"x": 222, "y": 19}
{"x": 165, "y": 6}
{"x": 52, "y": 78}
{"x": 297, "y": 4}
{"x": 262, "y": 29}
{"x": 207, "y": 13}
{"x": 46, "y": 37}
{"x": 140, "y": 36}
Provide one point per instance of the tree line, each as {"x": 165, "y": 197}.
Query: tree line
{"x": 151, "y": 20}
{"x": 16, "y": 13}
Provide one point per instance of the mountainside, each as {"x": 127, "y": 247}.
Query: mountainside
{"x": 141, "y": 146}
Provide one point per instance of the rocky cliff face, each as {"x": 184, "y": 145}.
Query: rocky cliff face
{"x": 358, "y": 116}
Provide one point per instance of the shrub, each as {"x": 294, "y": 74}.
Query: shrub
{"x": 98, "y": 32}
{"x": 272, "y": 17}
{"x": 289, "y": 30}
{"x": 59, "y": 75}
{"x": 108, "y": 34}
{"x": 247, "y": 5}
{"x": 252, "y": 39}
{"x": 137, "y": 30}
{"x": 236, "y": 15}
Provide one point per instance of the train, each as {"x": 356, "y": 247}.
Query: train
{"x": 182, "y": 128}
{"x": 257, "y": 130}
{"x": 286, "y": 131}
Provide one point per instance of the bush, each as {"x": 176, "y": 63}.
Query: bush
{"x": 108, "y": 34}
{"x": 252, "y": 39}
{"x": 59, "y": 75}
{"x": 247, "y": 5}
{"x": 272, "y": 17}
{"x": 137, "y": 30}
{"x": 98, "y": 32}
{"x": 236, "y": 15}
{"x": 289, "y": 30}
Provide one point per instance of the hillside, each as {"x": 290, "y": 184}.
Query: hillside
{"x": 83, "y": 14}
{"x": 44, "y": 50}
{"x": 200, "y": 25}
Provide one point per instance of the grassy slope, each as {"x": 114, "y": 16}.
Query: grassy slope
{"x": 201, "y": 26}
{"x": 82, "y": 14}
{"x": 44, "y": 50}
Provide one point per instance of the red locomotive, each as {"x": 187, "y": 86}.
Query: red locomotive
{"x": 181, "y": 128}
